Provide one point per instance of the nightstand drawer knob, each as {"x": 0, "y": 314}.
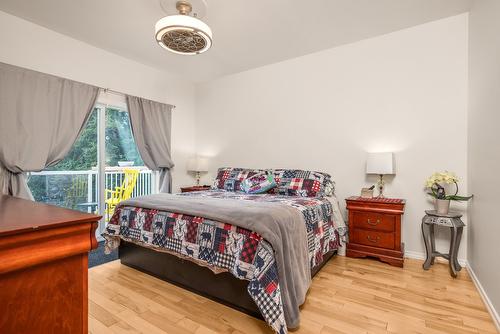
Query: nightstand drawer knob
{"x": 373, "y": 224}
{"x": 374, "y": 240}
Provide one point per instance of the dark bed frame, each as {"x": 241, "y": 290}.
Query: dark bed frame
{"x": 223, "y": 288}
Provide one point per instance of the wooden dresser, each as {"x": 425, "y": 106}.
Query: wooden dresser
{"x": 375, "y": 229}
{"x": 43, "y": 267}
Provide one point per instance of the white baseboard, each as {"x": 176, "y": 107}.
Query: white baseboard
{"x": 342, "y": 250}
{"x": 491, "y": 309}
{"x": 421, "y": 256}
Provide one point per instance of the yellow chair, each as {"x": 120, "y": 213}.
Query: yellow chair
{"x": 76, "y": 192}
{"x": 113, "y": 197}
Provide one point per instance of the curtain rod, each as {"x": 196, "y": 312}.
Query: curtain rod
{"x": 123, "y": 94}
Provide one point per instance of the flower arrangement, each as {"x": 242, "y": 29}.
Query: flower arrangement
{"x": 435, "y": 183}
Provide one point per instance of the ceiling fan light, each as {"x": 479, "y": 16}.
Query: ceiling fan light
{"x": 183, "y": 34}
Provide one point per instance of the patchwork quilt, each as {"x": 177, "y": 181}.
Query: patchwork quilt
{"x": 224, "y": 247}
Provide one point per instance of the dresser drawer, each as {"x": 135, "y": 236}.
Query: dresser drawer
{"x": 374, "y": 221}
{"x": 373, "y": 238}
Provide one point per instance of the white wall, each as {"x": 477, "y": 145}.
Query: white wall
{"x": 404, "y": 92}
{"x": 31, "y": 46}
{"x": 484, "y": 146}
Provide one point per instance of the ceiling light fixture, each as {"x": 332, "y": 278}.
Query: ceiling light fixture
{"x": 183, "y": 33}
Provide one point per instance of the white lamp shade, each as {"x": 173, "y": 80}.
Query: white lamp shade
{"x": 380, "y": 163}
{"x": 197, "y": 164}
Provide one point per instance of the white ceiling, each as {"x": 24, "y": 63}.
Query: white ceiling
{"x": 247, "y": 33}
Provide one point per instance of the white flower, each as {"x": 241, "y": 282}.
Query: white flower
{"x": 440, "y": 178}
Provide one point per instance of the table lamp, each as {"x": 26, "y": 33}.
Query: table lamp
{"x": 197, "y": 165}
{"x": 380, "y": 164}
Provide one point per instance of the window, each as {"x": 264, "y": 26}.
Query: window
{"x": 98, "y": 161}
{"x": 73, "y": 181}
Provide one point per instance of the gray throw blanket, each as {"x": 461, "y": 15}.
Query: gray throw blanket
{"x": 280, "y": 225}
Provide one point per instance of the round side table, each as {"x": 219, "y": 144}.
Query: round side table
{"x": 451, "y": 220}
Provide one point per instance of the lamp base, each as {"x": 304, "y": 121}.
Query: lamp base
{"x": 381, "y": 184}
{"x": 198, "y": 178}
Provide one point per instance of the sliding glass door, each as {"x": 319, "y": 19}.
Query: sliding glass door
{"x": 122, "y": 169}
{"x": 73, "y": 182}
{"x": 103, "y": 168}
{"x": 122, "y": 155}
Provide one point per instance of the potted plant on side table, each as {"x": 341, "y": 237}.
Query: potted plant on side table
{"x": 436, "y": 184}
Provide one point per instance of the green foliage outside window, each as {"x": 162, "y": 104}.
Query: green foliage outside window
{"x": 65, "y": 190}
{"x": 120, "y": 144}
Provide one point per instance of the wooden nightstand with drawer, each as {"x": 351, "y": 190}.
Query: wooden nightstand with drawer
{"x": 375, "y": 229}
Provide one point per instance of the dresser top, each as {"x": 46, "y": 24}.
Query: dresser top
{"x": 377, "y": 200}
{"x": 21, "y": 216}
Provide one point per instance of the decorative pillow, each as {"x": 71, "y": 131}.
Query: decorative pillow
{"x": 229, "y": 178}
{"x": 329, "y": 187}
{"x": 258, "y": 183}
{"x": 296, "y": 182}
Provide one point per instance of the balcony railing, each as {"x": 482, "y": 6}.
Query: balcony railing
{"x": 80, "y": 189}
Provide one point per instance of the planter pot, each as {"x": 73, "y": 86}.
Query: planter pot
{"x": 442, "y": 206}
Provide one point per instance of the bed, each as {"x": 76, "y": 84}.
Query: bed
{"x": 219, "y": 257}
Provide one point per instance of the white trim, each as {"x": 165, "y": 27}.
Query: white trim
{"x": 101, "y": 164}
{"x": 421, "y": 256}
{"x": 111, "y": 98}
{"x": 484, "y": 297}
{"x": 414, "y": 255}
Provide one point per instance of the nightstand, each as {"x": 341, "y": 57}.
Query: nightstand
{"x": 194, "y": 188}
{"x": 375, "y": 229}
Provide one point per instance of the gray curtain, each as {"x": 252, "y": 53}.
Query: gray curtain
{"x": 151, "y": 126}
{"x": 40, "y": 118}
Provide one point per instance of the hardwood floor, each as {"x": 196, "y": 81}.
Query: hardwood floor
{"x": 347, "y": 296}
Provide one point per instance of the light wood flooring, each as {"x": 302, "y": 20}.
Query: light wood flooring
{"x": 347, "y": 296}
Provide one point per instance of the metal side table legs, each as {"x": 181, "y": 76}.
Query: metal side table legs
{"x": 451, "y": 220}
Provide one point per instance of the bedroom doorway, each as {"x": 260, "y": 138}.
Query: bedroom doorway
{"x": 97, "y": 169}
{"x": 124, "y": 173}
